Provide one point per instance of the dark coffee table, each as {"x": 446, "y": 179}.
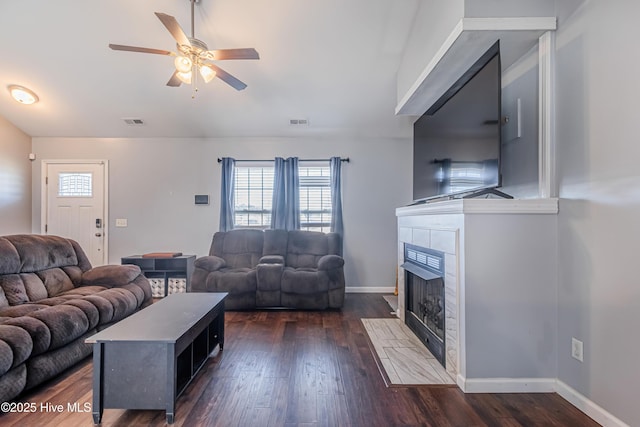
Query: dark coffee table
{"x": 146, "y": 360}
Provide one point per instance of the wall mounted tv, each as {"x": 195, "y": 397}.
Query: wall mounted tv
{"x": 456, "y": 145}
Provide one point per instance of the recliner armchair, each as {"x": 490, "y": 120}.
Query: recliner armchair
{"x": 274, "y": 268}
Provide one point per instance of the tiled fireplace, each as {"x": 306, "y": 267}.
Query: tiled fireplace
{"x": 498, "y": 300}
{"x": 418, "y": 233}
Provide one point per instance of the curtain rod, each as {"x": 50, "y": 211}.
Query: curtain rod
{"x": 300, "y": 160}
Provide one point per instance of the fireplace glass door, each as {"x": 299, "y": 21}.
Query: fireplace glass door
{"x": 425, "y": 297}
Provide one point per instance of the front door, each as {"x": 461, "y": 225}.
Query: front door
{"x": 75, "y": 205}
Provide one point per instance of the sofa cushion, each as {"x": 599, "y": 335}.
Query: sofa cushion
{"x": 137, "y": 292}
{"x": 60, "y": 299}
{"x": 232, "y": 280}
{"x": 239, "y": 248}
{"x": 50, "y": 364}
{"x": 20, "y": 345}
{"x": 111, "y": 275}
{"x": 65, "y": 323}
{"x": 10, "y": 259}
{"x": 104, "y": 307}
{"x": 275, "y": 242}
{"x": 42, "y": 252}
{"x": 89, "y": 310}
{"x": 210, "y": 263}
{"x": 34, "y": 286}
{"x": 75, "y": 274}
{"x": 55, "y": 281}
{"x": 304, "y": 281}
{"x": 20, "y": 310}
{"x": 14, "y": 290}
{"x": 305, "y": 248}
{"x": 39, "y": 332}
{"x": 6, "y": 357}
{"x": 4, "y": 302}
{"x": 330, "y": 262}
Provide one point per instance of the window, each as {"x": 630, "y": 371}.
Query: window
{"x": 315, "y": 199}
{"x": 253, "y": 195}
{"x": 75, "y": 185}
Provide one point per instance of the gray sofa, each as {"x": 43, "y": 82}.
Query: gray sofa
{"x": 50, "y": 301}
{"x": 273, "y": 268}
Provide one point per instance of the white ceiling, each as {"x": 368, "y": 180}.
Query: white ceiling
{"x": 332, "y": 62}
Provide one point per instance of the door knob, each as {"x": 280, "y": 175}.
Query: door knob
{"x": 98, "y": 234}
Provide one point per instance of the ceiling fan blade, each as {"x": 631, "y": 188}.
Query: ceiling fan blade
{"x": 174, "y": 28}
{"x": 140, "y": 49}
{"x": 227, "y": 78}
{"x": 174, "y": 81}
{"x": 246, "y": 53}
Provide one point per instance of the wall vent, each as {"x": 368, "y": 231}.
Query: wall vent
{"x": 133, "y": 121}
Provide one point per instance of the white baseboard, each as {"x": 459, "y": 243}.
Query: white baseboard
{"x": 541, "y": 385}
{"x": 369, "y": 289}
{"x": 593, "y": 410}
{"x": 507, "y": 385}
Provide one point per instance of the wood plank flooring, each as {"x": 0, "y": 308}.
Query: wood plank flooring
{"x": 290, "y": 368}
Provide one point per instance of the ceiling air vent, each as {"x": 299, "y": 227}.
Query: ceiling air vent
{"x": 133, "y": 121}
{"x": 298, "y": 122}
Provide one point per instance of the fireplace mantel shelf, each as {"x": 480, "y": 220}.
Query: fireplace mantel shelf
{"x": 547, "y": 206}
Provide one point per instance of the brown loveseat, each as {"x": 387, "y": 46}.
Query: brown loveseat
{"x": 273, "y": 268}
{"x": 50, "y": 301}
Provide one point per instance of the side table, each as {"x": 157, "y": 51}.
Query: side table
{"x": 164, "y": 268}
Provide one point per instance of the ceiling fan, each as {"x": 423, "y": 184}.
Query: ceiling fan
{"x": 193, "y": 55}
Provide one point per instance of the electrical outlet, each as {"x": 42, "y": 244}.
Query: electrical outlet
{"x": 121, "y": 222}
{"x": 577, "y": 349}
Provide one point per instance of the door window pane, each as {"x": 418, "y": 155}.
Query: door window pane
{"x": 75, "y": 184}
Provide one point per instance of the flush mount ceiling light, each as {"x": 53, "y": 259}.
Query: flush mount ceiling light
{"x": 23, "y": 95}
{"x": 192, "y": 56}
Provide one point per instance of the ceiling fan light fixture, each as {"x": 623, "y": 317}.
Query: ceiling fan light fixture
{"x": 185, "y": 77}
{"x": 207, "y": 73}
{"x": 183, "y": 64}
{"x": 23, "y": 95}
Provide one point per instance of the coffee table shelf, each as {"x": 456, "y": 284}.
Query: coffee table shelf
{"x": 148, "y": 359}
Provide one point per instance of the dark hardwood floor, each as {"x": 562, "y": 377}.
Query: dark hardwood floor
{"x": 290, "y": 368}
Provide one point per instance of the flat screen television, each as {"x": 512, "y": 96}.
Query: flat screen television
{"x": 456, "y": 145}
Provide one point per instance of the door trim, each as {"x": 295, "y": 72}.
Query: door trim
{"x": 44, "y": 204}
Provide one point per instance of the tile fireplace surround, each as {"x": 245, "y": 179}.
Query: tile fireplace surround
{"x": 500, "y": 286}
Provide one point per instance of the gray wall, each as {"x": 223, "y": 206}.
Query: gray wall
{"x": 519, "y": 155}
{"x": 598, "y": 67}
{"x": 152, "y": 183}
{"x": 15, "y": 180}
{"x": 510, "y": 307}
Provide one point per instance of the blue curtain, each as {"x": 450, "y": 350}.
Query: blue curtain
{"x": 279, "y": 201}
{"x": 285, "y": 207}
{"x": 335, "y": 168}
{"x": 292, "y": 191}
{"x": 226, "y": 194}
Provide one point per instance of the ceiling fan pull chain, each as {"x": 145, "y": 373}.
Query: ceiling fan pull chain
{"x": 194, "y": 74}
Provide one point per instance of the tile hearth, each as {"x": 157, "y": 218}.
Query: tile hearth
{"x": 404, "y": 358}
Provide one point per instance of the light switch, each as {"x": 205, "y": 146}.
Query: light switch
{"x": 121, "y": 222}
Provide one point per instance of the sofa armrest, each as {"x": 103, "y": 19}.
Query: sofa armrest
{"x": 330, "y": 262}
{"x": 110, "y": 275}
{"x": 271, "y": 259}
{"x": 210, "y": 263}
